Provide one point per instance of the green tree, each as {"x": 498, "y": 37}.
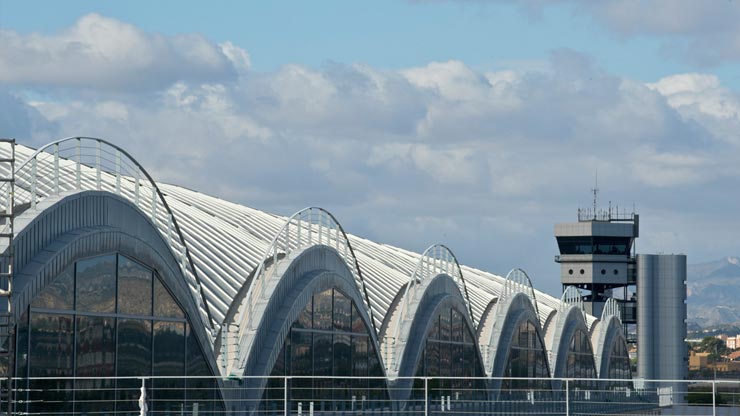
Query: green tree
{"x": 714, "y": 346}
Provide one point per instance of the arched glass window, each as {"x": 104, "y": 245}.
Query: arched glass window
{"x": 580, "y": 361}
{"x": 619, "y": 362}
{"x": 110, "y": 316}
{"x": 450, "y": 351}
{"x": 329, "y": 338}
{"x": 526, "y": 360}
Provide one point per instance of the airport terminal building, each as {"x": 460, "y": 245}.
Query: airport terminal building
{"x": 115, "y": 276}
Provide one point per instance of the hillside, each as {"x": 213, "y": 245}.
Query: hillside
{"x": 714, "y": 292}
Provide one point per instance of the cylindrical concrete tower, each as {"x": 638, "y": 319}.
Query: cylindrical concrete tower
{"x": 661, "y": 319}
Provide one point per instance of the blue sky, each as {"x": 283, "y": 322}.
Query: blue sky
{"x": 477, "y": 124}
{"x": 385, "y": 34}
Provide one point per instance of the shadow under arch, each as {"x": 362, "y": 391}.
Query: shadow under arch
{"x": 609, "y": 337}
{"x": 440, "y": 293}
{"x": 517, "y": 314}
{"x": 570, "y": 336}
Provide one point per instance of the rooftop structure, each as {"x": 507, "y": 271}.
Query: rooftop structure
{"x": 596, "y": 256}
{"x": 117, "y": 275}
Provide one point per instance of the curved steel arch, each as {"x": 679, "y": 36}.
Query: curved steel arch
{"x": 307, "y": 227}
{"x": 309, "y": 272}
{"x": 611, "y": 308}
{"x": 435, "y": 260}
{"x": 517, "y": 280}
{"x": 127, "y": 173}
{"x": 571, "y": 296}
{"x": 509, "y": 316}
{"x": 567, "y": 316}
{"x": 610, "y": 332}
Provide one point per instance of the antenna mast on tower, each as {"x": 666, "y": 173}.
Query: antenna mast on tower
{"x": 595, "y": 190}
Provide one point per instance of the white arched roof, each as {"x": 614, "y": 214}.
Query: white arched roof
{"x": 227, "y": 241}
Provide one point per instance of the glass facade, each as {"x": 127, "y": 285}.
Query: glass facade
{"x": 619, "y": 362}
{"x": 526, "y": 360}
{"x": 104, "y": 317}
{"x": 580, "y": 361}
{"x": 450, "y": 351}
{"x": 328, "y": 339}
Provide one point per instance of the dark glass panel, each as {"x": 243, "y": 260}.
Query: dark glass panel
{"x": 304, "y": 318}
{"x": 457, "y": 326}
{"x": 575, "y": 245}
{"x": 169, "y": 360}
{"x": 134, "y": 359}
{"x": 342, "y": 367}
{"x": 359, "y": 366}
{"x": 96, "y": 284}
{"x": 619, "y": 363}
{"x": 164, "y": 304}
{"x": 580, "y": 362}
{"x": 359, "y": 356}
{"x": 134, "y": 288}
{"x": 357, "y": 325}
{"x": 200, "y": 392}
{"x": 376, "y": 385}
{"x": 96, "y": 352}
{"x": 434, "y": 329}
{"x": 342, "y": 312}
{"x": 274, "y": 394}
{"x": 59, "y": 294}
{"x": 301, "y": 347}
{"x": 322, "y": 365}
{"x": 432, "y": 358}
{"x": 469, "y": 337}
{"x": 322, "y": 310}
{"x": 526, "y": 359}
{"x": 523, "y": 340}
{"x": 469, "y": 361}
{"x": 531, "y": 363}
{"x": 457, "y": 360}
{"x": 445, "y": 359}
{"x": 595, "y": 245}
{"x": 612, "y": 245}
{"x": 342, "y": 356}
{"x": 444, "y": 325}
{"x": 542, "y": 367}
{"x": 51, "y": 355}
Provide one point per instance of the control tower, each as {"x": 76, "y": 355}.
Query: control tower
{"x": 597, "y": 256}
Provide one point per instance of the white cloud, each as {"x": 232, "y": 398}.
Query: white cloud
{"x": 703, "y": 32}
{"x": 484, "y": 161}
{"x": 105, "y": 53}
{"x": 701, "y": 99}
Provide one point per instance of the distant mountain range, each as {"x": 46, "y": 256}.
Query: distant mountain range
{"x": 714, "y": 293}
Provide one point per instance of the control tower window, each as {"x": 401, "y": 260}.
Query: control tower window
{"x": 595, "y": 245}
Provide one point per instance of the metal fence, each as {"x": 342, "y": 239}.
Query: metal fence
{"x": 365, "y": 396}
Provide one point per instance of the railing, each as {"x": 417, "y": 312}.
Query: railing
{"x": 83, "y": 163}
{"x": 307, "y": 227}
{"x": 611, "y": 308}
{"x": 611, "y": 214}
{"x": 518, "y": 281}
{"x": 335, "y": 395}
